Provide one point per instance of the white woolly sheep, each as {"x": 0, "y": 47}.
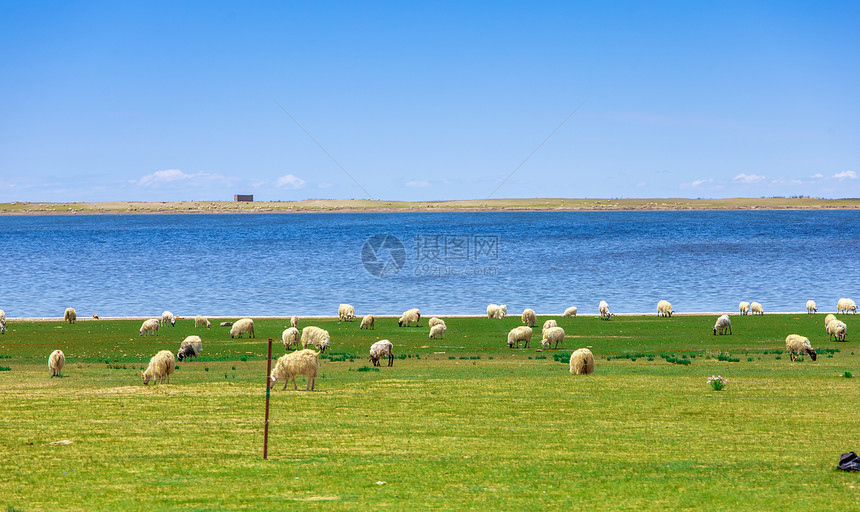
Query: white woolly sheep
{"x": 382, "y": 348}
{"x": 2, "y": 322}
{"x": 437, "y": 331}
{"x": 160, "y": 367}
{"x": 167, "y": 317}
{"x": 201, "y": 320}
{"x": 497, "y": 312}
{"x": 528, "y": 317}
{"x": 345, "y": 313}
{"x": 294, "y": 321}
{"x": 846, "y": 305}
{"x": 518, "y": 334}
{"x": 547, "y": 325}
{"x": 149, "y": 327}
{"x": 436, "y": 321}
{"x": 56, "y": 362}
{"x": 811, "y": 307}
{"x": 827, "y": 319}
{"x": 552, "y": 335}
{"x": 290, "y": 337}
{"x": 755, "y": 307}
{"x": 797, "y": 345}
{"x": 571, "y": 311}
{"x": 582, "y": 362}
{"x": 744, "y": 308}
{"x": 723, "y": 325}
{"x": 242, "y": 326}
{"x": 299, "y": 363}
{"x": 70, "y": 315}
{"x": 191, "y": 346}
{"x": 603, "y": 307}
{"x": 368, "y": 322}
{"x": 409, "y": 316}
{"x": 664, "y": 308}
{"x": 319, "y": 338}
{"x": 837, "y": 329}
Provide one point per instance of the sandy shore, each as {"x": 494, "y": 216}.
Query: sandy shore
{"x": 359, "y": 205}
{"x": 286, "y": 319}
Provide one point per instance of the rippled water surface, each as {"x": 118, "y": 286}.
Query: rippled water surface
{"x": 448, "y": 263}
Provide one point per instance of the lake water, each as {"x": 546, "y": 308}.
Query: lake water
{"x": 443, "y": 263}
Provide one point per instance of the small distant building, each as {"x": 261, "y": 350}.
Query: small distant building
{"x": 243, "y": 198}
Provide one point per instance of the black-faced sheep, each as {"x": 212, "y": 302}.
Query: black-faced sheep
{"x": 797, "y": 345}
{"x": 380, "y": 349}
{"x": 192, "y": 346}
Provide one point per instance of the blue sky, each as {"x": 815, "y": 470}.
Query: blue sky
{"x": 159, "y": 101}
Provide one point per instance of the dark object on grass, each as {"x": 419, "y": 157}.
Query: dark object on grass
{"x": 226, "y": 324}
{"x": 849, "y": 462}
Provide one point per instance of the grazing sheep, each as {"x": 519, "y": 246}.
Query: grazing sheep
{"x": 497, "y": 312}
{"x": 167, "y": 317}
{"x": 2, "y": 322}
{"x": 301, "y": 362}
{"x": 811, "y": 307}
{"x": 409, "y": 316}
{"x": 744, "y": 308}
{"x": 294, "y": 321}
{"x": 382, "y": 348}
{"x": 846, "y": 305}
{"x": 582, "y": 362}
{"x": 201, "y": 320}
{"x": 547, "y": 325}
{"x": 345, "y": 312}
{"x": 837, "y": 329}
{"x": 290, "y": 336}
{"x": 70, "y": 315}
{"x": 827, "y": 319}
{"x": 368, "y": 322}
{"x": 242, "y": 326}
{"x": 552, "y": 335}
{"x": 56, "y": 362}
{"x": 664, "y": 308}
{"x": 437, "y": 331}
{"x": 529, "y": 317}
{"x": 755, "y": 307}
{"x": 571, "y": 311}
{"x": 160, "y": 367}
{"x": 149, "y": 327}
{"x": 797, "y": 345}
{"x": 723, "y": 325}
{"x": 436, "y": 321}
{"x": 518, "y": 334}
{"x": 603, "y": 307}
{"x": 192, "y": 346}
{"x": 319, "y": 338}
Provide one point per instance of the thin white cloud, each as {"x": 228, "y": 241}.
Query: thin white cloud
{"x": 167, "y": 176}
{"x": 697, "y": 183}
{"x": 290, "y": 181}
{"x": 851, "y": 175}
{"x": 817, "y": 176}
{"x": 418, "y": 184}
{"x": 748, "y": 178}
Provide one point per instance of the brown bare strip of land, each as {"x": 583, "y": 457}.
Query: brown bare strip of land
{"x": 363, "y": 205}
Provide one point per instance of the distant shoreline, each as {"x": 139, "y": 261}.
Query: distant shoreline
{"x": 380, "y": 206}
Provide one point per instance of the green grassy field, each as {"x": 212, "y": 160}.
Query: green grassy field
{"x": 459, "y": 423}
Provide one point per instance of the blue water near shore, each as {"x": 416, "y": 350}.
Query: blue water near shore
{"x": 449, "y": 263}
